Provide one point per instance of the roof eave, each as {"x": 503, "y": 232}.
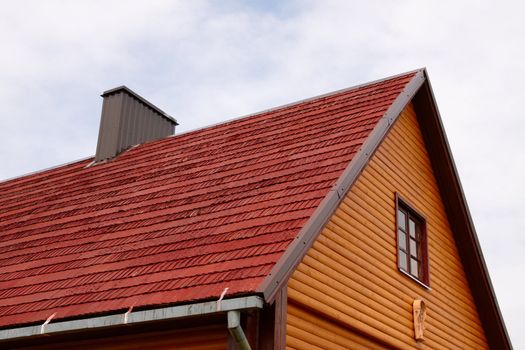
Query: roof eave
{"x": 131, "y": 317}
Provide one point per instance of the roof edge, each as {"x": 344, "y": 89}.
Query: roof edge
{"x": 125, "y": 88}
{"x": 135, "y": 317}
{"x": 308, "y": 99}
{"x": 285, "y": 266}
{"x": 460, "y": 218}
{"x": 53, "y": 167}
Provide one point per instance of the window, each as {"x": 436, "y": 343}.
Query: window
{"x": 411, "y": 243}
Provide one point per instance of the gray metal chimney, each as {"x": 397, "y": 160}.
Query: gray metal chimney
{"x": 127, "y": 120}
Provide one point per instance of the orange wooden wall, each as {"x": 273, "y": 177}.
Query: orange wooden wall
{"x": 348, "y": 284}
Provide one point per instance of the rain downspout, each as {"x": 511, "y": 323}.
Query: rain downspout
{"x": 235, "y": 329}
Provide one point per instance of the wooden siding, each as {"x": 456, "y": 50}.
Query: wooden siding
{"x": 348, "y": 293}
{"x": 211, "y": 337}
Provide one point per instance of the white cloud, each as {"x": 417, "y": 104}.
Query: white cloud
{"x": 205, "y": 61}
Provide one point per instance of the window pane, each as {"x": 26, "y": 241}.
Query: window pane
{"x": 401, "y": 220}
{"x": 401, "y": 240}
{"x": 413, "y": 248}
{"x": 403, "y": 261}
{"x": 411, "y": 242}
{"x": 412, "y": 228}
{"x": 414, "y": 268}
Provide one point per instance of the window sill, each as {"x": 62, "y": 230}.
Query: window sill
{"x": 415, "y": 279}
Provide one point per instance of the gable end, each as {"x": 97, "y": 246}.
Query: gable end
{"x": 420, "y": 93}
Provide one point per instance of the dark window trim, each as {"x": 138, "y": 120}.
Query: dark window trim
{"x": 403, "y": 203}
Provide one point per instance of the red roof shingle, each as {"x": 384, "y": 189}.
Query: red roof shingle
{"x": 179, "y": 219}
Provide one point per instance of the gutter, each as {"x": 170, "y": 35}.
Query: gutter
{"x": 232, "y": 307}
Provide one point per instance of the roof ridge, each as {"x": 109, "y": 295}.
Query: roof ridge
{"x": 245, "y": 116}
{"x": 298, "y": 102}
{"x": 54, "y": 167}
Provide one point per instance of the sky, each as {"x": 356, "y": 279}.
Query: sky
{"x": 204, "y": 62}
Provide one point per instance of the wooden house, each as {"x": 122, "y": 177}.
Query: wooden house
{"x": 336, "y": 222}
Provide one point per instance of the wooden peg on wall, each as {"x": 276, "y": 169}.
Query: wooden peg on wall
{"x": 420, "y": 312}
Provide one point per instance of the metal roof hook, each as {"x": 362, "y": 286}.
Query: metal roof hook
{"x": 126, "y": 315}
{"x": 220, "y": 298}
{"x": 43, "y": 326}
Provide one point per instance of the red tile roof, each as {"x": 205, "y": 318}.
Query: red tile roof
{"x": 179, "y": 219}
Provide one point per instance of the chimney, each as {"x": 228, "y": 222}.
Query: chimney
{"x": 127, "y": 120}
